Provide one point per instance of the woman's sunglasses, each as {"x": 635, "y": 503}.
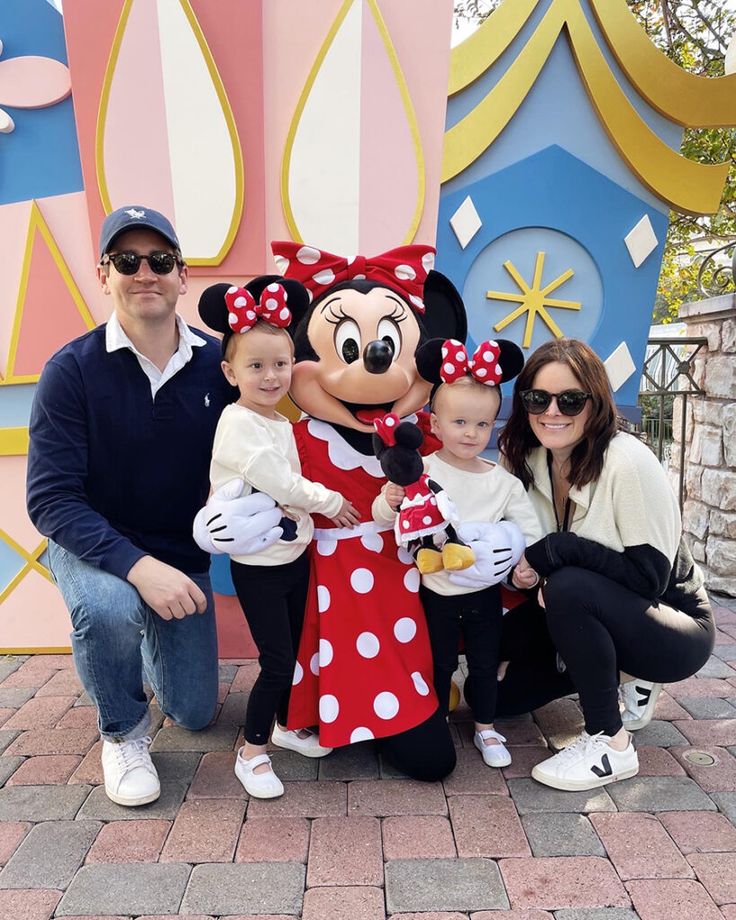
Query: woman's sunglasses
{"x": 569, "y": 402}
{"x": 128, "y": 263}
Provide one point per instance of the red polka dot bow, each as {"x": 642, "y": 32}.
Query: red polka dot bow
{"x": 386, "y": 428}
{"x": 483, "y": 366}
{"x": 244, "y": 310}
{"x": 403, "y": 270}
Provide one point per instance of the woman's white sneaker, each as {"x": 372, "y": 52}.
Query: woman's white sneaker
{"x": 588, "y": 762}
{"x": 639, "y": 700}
{"x": 494, "y": 755}
{"x": 130, "y": 776}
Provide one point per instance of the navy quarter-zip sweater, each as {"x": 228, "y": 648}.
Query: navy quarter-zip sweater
{"x": 114, "y": 475}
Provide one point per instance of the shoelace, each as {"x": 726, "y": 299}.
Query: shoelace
{"x": 132, "y": 754}
{"x": 581, "y": 745}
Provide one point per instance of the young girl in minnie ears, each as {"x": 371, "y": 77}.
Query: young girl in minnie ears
{"x": 464, "y": 405}
{"x": 256, "y": 443}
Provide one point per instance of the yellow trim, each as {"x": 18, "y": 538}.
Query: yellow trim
{"x": 690, "y": 187}
{"x": 105, "y": 102}
{"x": 286, "y": 161}
{"x": 408, "y": 108}
{"x": 13, "y": 442}
{"x": 32, "y": 564}
{"x": 687, "y": 99}
{"x": 36, "y": 223}
{"x": 51, "y": 650}
{"x": 472, "y": 57}
{"x": 410, "y": 117}
{"x": 239, "y": 203}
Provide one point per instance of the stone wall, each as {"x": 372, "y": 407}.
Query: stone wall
{"x": 709, "y": 512}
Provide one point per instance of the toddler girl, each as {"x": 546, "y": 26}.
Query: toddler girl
{"x": 256, "y": 443}
{"x": 464, "y": 405}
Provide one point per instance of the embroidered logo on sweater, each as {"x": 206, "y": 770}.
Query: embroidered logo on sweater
{"x": 207, "y": 400}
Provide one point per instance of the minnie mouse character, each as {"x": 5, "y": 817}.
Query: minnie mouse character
{"x": 364, "y": 664}
{"x": 425, "y": 518}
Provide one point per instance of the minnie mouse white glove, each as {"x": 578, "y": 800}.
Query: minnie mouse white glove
{"x": 236, "y": 524}
{"x": 497, "y": 549}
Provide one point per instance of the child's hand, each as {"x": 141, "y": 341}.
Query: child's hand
{"x": 347, "y": 516}
{"x": 394, "y": 495}
{"x": 524, "y": 576}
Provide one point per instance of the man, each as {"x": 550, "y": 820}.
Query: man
{"x": 121, "y": 432}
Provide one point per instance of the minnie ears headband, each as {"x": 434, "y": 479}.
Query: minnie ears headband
{"x": 446, "y": 360}
{"x": 403, "y": 270}
{"x": 227, "y": 308}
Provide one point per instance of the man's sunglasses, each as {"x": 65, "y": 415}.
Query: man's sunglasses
{"x": 569, "y": 402}
{"x": 128, "y": 263}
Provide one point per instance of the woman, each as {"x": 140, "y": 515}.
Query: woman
{"x": 619, "y": 586}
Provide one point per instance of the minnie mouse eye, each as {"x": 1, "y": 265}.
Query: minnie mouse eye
{"x": 347, "y": 341}
{"x": 389, "y": 332}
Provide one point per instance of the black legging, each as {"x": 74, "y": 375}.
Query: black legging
{"x": 599, "y": 628}
{"x": 273, "y": 598}
{"x": 426, "y": 752}
{"x": 477, "y": 619}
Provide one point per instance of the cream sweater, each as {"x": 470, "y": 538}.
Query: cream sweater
{"x": 626, "y": 526}
{"x": 489, "y": 496}
{"x": 262, "y": 451}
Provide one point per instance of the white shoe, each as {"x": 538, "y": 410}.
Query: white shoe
{"x": 259, "y": 785}
{"x": 130, "y": 776}
{"x": 494, "y": 755}
{"x": 639, "y": 699}
{"x": 588, "y": 762}
{"x": 307, "y": 747}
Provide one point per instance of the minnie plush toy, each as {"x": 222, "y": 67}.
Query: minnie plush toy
{"x": 424, "y": 524}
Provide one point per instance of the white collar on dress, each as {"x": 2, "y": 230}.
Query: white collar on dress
{"x": 341, "y": 454}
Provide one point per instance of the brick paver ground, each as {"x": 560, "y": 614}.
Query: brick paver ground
{"x": 353, "y": 840}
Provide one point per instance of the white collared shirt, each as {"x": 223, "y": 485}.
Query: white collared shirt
{"x": 115, "y": 339}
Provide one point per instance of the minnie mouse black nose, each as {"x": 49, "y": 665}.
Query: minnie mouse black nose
{"x": 377, "y": 356}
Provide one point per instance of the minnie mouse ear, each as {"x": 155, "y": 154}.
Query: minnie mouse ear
{"x": 429, "y": 360}
{"x": 511, "y": 359}
{"x": 213, "y": 309}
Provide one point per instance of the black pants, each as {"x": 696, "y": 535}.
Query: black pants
{"x": 477, "y": 618}
{"x": 425, "y": 752}
{"x": 273, "y": 598}
{"x": 599, "y": 628}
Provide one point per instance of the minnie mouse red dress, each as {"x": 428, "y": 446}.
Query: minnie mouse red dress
{"x": 364, "y": 667}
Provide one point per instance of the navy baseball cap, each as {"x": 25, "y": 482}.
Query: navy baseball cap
{"x": 134, "y": 216}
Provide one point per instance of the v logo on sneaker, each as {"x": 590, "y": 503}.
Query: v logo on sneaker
{"x": 644, "y": 694}
{"x": 605, "y": 767}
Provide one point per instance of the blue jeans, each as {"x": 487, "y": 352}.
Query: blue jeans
{"x": 117, "y": 638}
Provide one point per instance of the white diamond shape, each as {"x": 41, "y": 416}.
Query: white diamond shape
{"x": 466, "y": 222}
{"x": 619, "y": 366}
{"x": 641, "y": 241}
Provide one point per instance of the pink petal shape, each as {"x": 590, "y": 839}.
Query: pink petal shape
{"x": 33, "y": 82}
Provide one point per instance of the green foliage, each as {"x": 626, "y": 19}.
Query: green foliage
{"x": 695, "y": 34}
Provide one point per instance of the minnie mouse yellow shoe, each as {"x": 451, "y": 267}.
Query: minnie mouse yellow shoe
{"x": 457, "y": 556}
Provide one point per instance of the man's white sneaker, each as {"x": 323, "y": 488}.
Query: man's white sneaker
{"x": 258, "y": 785}
{"x": 130, "y": 776}
{"x": 307, "y": 747}
{"x": 588, "y": 762}
{"x": 639, "y": 699}
{"x": 494, "y": 755}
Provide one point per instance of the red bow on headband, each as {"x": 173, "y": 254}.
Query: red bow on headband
{"x": 403, "y": 270}
{"x": 386, "y": 428}
{"x": 483, "y": 366}
{"x": 244, "y": 311}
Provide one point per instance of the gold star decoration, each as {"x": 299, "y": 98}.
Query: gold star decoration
{"x": 533, "y": 299}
